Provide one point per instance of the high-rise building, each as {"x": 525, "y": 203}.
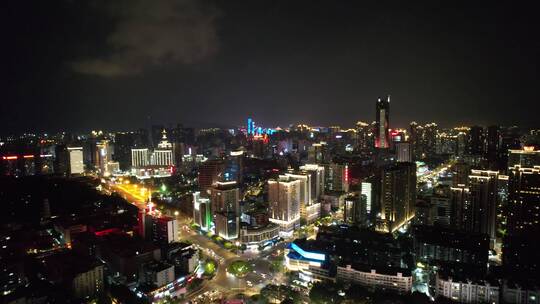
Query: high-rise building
{"x": 336, "y": 177}
{"x": 461, "y": 213}
{"x": 61, "y": 161}
{"x": 484, "y": 198}
{"x": 364, "y": 135}
{"x": 210, "y": 172}
{"x": 76, "y": 163}
{"x": 367, "y": 191}
{"x": 355, "y": 211}
{"x": 403, "y": 152}
{"x": 440, "y": 200}
{"x": 398, "y": 195}
{"x": 429, "y": 139}
{"x": 202, "y": 211}
{"x": 164, "y": 230}
{"x": 493, "y": 141}
{"x": 284, "y": 196}
{"x": 476, "y": 141}
{"x": 225, "y": 200}
{"x": 318, "y": 153}
{"x": 460, "y": 173}
{"x": 234, "y": 170}
{"x": 382, "y": 137}
{"x": 520, "y": 251}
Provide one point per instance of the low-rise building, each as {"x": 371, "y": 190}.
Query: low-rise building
{"x": 466, "y": 289}
{"x": 392, "y": 279}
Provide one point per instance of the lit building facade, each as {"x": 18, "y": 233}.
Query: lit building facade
{"x": 284, "y": 196}
{"x": 382, "y": 137}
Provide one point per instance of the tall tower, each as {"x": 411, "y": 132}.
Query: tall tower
{"x": 382, "y": 137}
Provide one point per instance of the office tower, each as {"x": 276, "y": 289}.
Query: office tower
{"x": 483, "y": 198}
{"x": 76, "y": 164}
{"x": 441, "y": 201}
{"x": 403, "y": 152}
{"x": 164, "y": 230}
{"x": 461, "y": 213}
{"x": 398, "y": 195}
{"x": 460, "y": 173}
{"x": 336, "y": 177}
{"x": 140, "y": 158}
{"x": 202, "y": 211}
{"x": 163, "y": 154}
{"x": 520, "y": 251}
{"x": 364, "y": 135}
{"x": 225, "y": 200}
{"x": 382, "y": 137}
{"x": 284, "y": 198}
{"x": 476, "y": 141}
{"x": 317, "y": 179}
{"x": 355, "y": 210}
{"x": 234, "y": 170}
{"x": 210, "y": 172}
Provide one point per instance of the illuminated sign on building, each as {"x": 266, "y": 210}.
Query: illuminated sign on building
{"x": 308, "y": 255}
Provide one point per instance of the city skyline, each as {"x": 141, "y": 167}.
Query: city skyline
{"x": 279, "y": 62}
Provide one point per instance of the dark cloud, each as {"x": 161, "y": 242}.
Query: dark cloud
{"x": 155, "y": 33}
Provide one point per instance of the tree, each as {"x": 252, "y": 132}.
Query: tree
{"x": 323, "y": 293}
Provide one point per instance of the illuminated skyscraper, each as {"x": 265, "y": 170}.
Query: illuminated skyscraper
{"x": 382, "y": 137}
{"x": 398, "y": 195}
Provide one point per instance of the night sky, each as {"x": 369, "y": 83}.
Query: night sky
{"x": 120, "y": 65}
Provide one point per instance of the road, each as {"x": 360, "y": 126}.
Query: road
{"x": 228, "y": 284}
